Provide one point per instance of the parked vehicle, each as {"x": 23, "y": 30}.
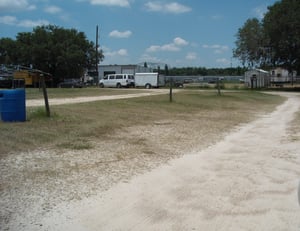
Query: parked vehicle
{"x": 117, "y": 80}
{"x": 70, "y": 83}
{"x": 149, "y": 80}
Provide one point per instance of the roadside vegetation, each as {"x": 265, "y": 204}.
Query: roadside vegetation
{"x": 78, "y": 126}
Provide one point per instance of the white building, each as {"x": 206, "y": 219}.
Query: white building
{"x": 257, "y": 78}
{"x": 121, "y": 69}
{"x": 281, "y": 75}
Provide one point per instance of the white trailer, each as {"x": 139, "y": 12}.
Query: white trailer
{"x": 149, "y": 80}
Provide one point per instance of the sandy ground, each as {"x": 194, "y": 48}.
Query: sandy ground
{"x": 39, "y": 102}
{"x": 247, "y": 181}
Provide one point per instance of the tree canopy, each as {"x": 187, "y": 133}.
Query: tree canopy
{"x": 250, "y": 43}
{"x": 202, "y": 71}
{"x": 274, "y": 41}
{"x": 282, "y": 26}
{"x": 65, "y": 53}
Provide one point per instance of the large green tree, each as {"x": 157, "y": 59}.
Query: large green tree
{"x": 64, "y": 53}
{"x": 7, "y": 51}
{"x": 273, "y": 42}
{"x": 282, "y": 26}
{"x": 250, "y": 43}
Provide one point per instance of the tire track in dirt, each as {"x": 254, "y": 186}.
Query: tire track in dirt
{"x": 60, "y": 101}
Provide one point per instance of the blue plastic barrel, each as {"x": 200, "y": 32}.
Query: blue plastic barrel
{"x": 1, "y": 98}
{"x": 12, "y": 105}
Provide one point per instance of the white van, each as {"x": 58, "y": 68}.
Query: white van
{"x": 117, "y": 80}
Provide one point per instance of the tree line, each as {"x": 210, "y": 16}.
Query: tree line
{"x": 201, "y": 71}
{"x": 274, "y": 40}
{"x": 64, "y": 53}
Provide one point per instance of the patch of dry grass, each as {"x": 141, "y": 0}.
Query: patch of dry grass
{"x": 88, "y": 147}
{"x": 75, "y": 126}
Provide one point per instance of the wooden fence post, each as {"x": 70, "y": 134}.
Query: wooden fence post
{"x": 45, "y": 95}
{"x": 171, "y": 93}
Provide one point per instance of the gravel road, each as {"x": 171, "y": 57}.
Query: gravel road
{"x": 58, "y": 101}
{"x": 247, "y": 181}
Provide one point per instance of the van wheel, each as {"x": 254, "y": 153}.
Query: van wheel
{"x": 101, "y": 85}
{"x": 148, "y": 86}
{"x": 118, "y": 85}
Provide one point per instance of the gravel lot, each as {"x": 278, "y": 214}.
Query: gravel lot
{"x": 247, "y": 181}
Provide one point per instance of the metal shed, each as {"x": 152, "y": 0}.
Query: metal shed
{"x": 257, "y": 78}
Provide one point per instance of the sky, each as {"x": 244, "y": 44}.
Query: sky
{"x": 179, "y": 33}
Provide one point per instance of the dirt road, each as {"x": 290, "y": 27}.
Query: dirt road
{"x": 58, "y": 101}
{"x": 248, "y": 181}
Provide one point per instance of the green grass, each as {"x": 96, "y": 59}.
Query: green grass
{"x": 77, "y": 126}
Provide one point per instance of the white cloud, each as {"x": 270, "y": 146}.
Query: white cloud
{"x": 31, "y": 23}
{"x": 15, "y": 5}
{"x": 13, "y": 21}
{"x": 120, "y": 3}
{"x": 53, "y": 10}
{"x": 149, "y": 58}
{"x": 223, "y": 61}
{"x": 218, "y": 49}
{"x": 121, "y": 52}
{"x": 191, "y": 56}
{"x": 174, "y": 46}
{"x": 8, "y": 20}
{"x": 170, "y": 47}
{"x": 173, "y": 7}
{"x": 180, "y": 42}
{"x": 119, "y": 34}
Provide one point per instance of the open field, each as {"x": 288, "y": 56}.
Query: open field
{"x": 78, "y": 126}
{"x": 86, "y": 148}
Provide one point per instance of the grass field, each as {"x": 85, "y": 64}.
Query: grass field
{"x": 75, "y": 126}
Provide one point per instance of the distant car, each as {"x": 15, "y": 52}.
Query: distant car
{"x": 178, "y": 84}
{"x": 70, "y": 83}
{"x": 188, "y": 81}
{"x": 117, "y": 80}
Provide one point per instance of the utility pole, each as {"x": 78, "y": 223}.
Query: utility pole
{"x": 97, "y": 58}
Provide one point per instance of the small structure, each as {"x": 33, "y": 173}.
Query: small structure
{"x": 257, "y": 78}
{"x": 280, "y": 75}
